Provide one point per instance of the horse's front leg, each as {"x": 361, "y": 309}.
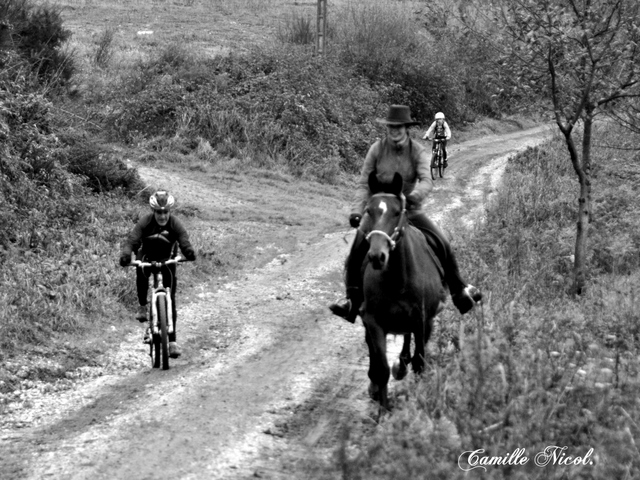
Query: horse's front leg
{"x": 399, "y": 369}
{"x": 378, "y": 365}
{"x": 422, "y": 335}
{"x": 417, "y": 361}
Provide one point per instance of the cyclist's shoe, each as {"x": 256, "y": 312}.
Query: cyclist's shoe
{"x": 141, "y": 314}
{"x": 346, "y": 310}
{"x": 466, "y": 299}
{"x": 147, "y": 336}
{"x": 174, "y": 350}
{"x": 445, "y": 164}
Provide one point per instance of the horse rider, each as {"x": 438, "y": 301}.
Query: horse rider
{"x": 397, "y": 152}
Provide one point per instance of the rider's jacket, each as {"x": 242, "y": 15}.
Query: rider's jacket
{"x": 153, "y": 242}
{"x": 385, "y": 157}
{"x": 437, "y": 131}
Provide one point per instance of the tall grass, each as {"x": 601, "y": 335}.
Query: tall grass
{"x": 535, "y": 367}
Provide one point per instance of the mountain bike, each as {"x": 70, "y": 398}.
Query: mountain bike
{"x": 437, "y": 162}
{"x": 160, "y": 312}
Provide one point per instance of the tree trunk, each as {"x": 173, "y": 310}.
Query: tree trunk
{"x": 584, "y": 207}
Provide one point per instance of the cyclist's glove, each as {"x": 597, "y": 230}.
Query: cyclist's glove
{"x": 189, "y": 254}
{"x": 354, "y": 220}
{"x": 125, "y": 260}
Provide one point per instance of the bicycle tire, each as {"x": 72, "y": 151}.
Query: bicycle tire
{"x": 164, "y": 336}
{"x": 155, "y": 351}
{"x": 434, "y": 166}
{"x": 154, "y": 346}
{"x": 440, "y": 165}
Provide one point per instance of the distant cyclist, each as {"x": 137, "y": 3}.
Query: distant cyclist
{"x": 156, "y": 237}
{"x": 439, "y": 129}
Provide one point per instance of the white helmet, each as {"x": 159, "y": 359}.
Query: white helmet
{"x": 439, "y": 116}
{"x": 161, "y": 201}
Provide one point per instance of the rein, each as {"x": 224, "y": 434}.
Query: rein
{"x": 395, "y": 235}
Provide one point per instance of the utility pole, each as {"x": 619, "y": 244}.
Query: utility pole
{"x": 321, "y": 31}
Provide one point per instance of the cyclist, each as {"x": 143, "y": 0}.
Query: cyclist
{"x": 397, "y": 152}
{"x": 156, "y": 237}
{"x": 439, "y": 129}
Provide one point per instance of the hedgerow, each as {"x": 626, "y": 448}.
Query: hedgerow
{"x": 303, "y": 112}
{"x": 57, "y": 237}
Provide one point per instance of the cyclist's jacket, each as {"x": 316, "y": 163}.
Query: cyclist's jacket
{"x": 411, "y": 159}
{"x": 152, "y": 242}
{"x": 442, "y": 131}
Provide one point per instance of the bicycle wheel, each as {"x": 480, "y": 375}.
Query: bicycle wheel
{"x": 440, "y": 165}
{"x": 434, "y": 166}
{"x": 164, "y": 336}
{"x": 155, "y": 351}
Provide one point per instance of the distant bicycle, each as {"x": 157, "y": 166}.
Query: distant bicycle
{"x": 160, "y": 312}
{"x": 437, "y": 162}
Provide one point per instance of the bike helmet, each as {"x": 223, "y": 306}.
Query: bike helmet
{"x": 439, "y": 116}
{"x": 161, "y": 201}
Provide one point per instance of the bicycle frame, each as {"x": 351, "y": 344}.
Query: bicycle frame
{"x": 437, "y": 147}
{"x": 158, "y": 291}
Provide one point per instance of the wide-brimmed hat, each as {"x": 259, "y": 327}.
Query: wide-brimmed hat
{"x": 398, "y": 115}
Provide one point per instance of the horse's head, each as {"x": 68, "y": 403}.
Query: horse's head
{"x": 386, "y": 211}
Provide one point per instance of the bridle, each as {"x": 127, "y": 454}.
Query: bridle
{"x": 397, "y": 231}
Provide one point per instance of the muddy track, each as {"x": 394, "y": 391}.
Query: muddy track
{"x": 267, "y": 373}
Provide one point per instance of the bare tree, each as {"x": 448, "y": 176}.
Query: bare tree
{"x": 584, "y": 56}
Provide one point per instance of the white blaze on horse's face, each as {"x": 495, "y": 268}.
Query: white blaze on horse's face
{"x": 383, "y": 207}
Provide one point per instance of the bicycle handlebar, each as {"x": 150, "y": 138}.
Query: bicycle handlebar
{"x": 171, "y": 261}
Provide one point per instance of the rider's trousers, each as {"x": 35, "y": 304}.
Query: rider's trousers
{"x": 436, "y": 240}
{"x": 170, "y": 281}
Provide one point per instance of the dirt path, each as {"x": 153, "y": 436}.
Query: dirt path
{"x": 267, "y": 373}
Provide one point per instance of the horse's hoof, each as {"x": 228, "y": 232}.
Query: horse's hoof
{"x": 399, "y": 370}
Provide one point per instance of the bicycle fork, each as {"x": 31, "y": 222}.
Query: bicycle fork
{"x": 156, "y": 295}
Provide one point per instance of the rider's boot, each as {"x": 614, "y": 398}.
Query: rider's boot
{"x": 141, "y": 314}
{"x": 174, "y": 350}
{"x": 466, "y": 299}
{"x": 349, "y": 308}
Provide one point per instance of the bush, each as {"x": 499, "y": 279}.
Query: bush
{"x": 382, "y": 41}
{"x": 39, "y": 34}
{"x": 102, "y": 170}
{"x": 268, "y": 106}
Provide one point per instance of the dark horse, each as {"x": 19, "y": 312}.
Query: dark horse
{"x": 402, "y": 286}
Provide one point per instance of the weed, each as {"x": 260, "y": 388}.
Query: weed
{"x": 296, "y": 29}
{"x": 104, "y": 50}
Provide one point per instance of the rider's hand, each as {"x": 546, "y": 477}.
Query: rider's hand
{"x": 354, "y": 220}
{"x": 189, "y": 254}
{"x": 413, "y": 200}
{"x": 125, "y": 260}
